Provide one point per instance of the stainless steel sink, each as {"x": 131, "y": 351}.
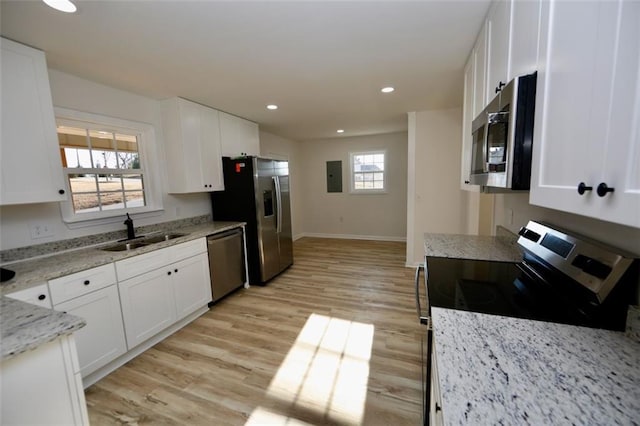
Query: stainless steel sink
{"x": 125, "y": 246}
{"x": 161, "y": 238}
{"x": 142, "y": 242}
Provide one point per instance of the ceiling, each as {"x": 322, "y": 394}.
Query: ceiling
{"x": 322, "y": 62}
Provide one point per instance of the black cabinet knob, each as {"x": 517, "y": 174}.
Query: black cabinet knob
{"x": 169, "y": 273}
{"x": 175, "y": 270}
{"x": 87, "y": 282}
{"x": 582, "y": 188}
{"x": 603, "y": 189}
{"x": 42, "y": 297}
{"x": 61, "y": 191}
{"x": 467, "y": 182}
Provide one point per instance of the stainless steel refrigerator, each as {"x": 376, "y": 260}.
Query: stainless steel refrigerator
{"x": 257, "y": 192}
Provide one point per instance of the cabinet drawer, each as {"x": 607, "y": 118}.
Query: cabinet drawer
{"x": 38, "y": 295}
{"x": 188, "y": 249}
{"x": 66, "y": 288}
{"x": 138, "y": 265}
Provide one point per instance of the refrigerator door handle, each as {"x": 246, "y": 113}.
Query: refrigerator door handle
{"x": 276, "y": 183}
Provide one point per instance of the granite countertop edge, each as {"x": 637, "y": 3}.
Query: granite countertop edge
{"x": 36, "y": 271}
{"x": 25, "y": 327}
{"x": 503, "y": 370}
{"x": 500, "y": 248}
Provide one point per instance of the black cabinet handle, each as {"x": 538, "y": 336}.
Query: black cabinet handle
{"x": 603, "y": 189}
{"x": 61, "y": 191}
{"x": 438, "y": 407}
{"x": 582, "y": 188}
{"x": 87, "y": 282}
{"x": 42, "y": 297}
{"x": 500, "y": 86}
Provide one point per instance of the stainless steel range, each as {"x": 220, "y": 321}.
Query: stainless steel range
{"x": 562, "y": 278}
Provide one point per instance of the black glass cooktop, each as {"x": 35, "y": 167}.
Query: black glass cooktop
{"x": 508, "y": 289}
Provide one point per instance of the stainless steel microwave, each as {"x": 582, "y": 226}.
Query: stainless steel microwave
{"x": 503, "y": 136}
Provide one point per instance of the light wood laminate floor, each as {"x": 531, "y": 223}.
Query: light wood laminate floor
{"x": 333, "y": 340}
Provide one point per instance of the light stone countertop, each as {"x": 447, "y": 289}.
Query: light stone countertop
{"x": 24, "y": 326}
{"x": 32, "y": 272}
{"x": 501, "y": 370}
{"x": 475, "y": 247}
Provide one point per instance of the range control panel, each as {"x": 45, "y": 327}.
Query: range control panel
{"x": 590, "y": 263}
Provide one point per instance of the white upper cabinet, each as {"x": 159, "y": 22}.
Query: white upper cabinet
{"x": 239, "y": 136}
{"x": 587, "y": 129}
{"x": 479, "y": 54}
{"x": 31, "y": 169}
{"x": 192, "y": 146}
{"x": 498, "y": 29}
{"x": 525, "y": 23}
{"x": 467, "y": 118}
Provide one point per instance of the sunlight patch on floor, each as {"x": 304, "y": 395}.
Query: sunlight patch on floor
{"x": 324, "y": 375}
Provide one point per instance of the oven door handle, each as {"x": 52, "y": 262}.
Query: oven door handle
{"x": 423, "y": 319}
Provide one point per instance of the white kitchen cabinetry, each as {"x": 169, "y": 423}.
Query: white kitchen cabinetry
{"x": 161, "y": 287}
{"x": 49, "y": 378}
{"x": 435, "y": 410}
{"x": 192, "y": 146}
{"x": 102, "y": 339}
{"x": 148, "y": 305}
{"x": 525, "y": 22}
{"x": 31, "y": 170}
{"x": 467, "y": 119}
{"x": 239, "y": 136}
{"x": 479, "y": 54}
{"x": 587, "y": 128}
{"x": 498, "y": 28}
{"x": 38, "y": 295}
{"x": 93, "y": 296}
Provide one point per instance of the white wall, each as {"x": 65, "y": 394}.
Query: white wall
{"x": 366, "y": 216}
{"x": 272, "y": 146}
{"x": 615, "y": 235}
{"x": 435, "y": 202}
{"x": 75, "y": 93}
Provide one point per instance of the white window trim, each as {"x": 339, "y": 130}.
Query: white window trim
{"x": 148, "y": 156}
{"x": 352, "y": 189}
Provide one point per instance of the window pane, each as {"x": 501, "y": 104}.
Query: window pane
{"x": 82, "y": 183}
{"x": 104, "y": 159}
{"x": 359, "y": 185}
{"x": 76, "y": 157}
{"x": 368, "y": 185}
{"x": 134, "y": 199}
{"x": 109, "y": 183}
{"x": 379, "y": 176}
{"x": 134, "y": 187}
{"x": 368, "y": 177}
{"x": 112, "y": 200}
{"x": 378, "y": 185}
{"x": 85, "y": 203}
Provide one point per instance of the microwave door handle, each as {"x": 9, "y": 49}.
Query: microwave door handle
{"x": 485, "y": 145}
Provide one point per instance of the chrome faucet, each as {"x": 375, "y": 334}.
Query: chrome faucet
{"x": 131, "y": 233}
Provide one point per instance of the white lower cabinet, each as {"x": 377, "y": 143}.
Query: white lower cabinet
{"x": 102, "y": 339}
{"x": 38, "y": 295}
{"x": 435, "y": 410}
{"x": 191, "y": 284}
{"x": 148, "y": 305}
{"x": 43, "y": 386}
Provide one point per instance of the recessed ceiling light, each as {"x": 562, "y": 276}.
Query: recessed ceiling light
{"x": 340, "y": 131}
{"x": 272, "y": 106}
{"x": 61, "y": 5}
{"x": 387, "y": 89}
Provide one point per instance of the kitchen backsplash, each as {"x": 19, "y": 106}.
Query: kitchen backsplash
{"x": 28, "y": 252}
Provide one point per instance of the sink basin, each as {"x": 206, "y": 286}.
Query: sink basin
{"x": 163, "y": 237}
{"x": 142, "y": 241}
{"x": 125, "y": 246}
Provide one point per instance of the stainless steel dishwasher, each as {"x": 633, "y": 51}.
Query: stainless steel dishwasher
{"x": 226, "y": 262}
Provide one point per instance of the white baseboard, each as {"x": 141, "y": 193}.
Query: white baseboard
{"x": 351, "y": 237}
{"x": 412, "y": 265}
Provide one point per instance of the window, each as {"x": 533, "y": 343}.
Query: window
{"x": 367, "y": 172}
{"x": 104, "y": 165}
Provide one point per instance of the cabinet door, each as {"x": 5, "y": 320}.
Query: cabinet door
{"x": 467, "y": 119}
{"x": 31, "y": 170}
{"x": 210, "y": 149}
{"x": 102, "y": 339}
{"x": 191, "y": 123}
{"x": 191, "y": 284}
{"x": 148, "y": 305}
{"x": 38, "y": 295}
{"x": 238, "y": 136}
{"x": 480, "y": 77}
{"x": 498, "y": 36}
{"x": 586, "y": 100}
{"x": 525, "y": 23}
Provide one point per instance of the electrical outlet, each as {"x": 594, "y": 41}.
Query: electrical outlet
{"x": 40, "y": 230}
